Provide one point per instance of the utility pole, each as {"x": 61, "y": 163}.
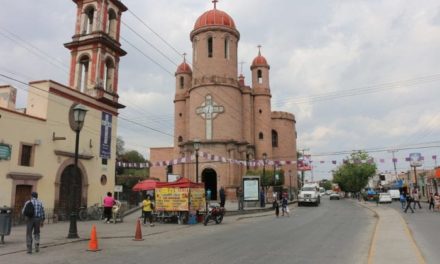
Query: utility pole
{"x": 302, "y": 171}
{"x": 394, "y": 161}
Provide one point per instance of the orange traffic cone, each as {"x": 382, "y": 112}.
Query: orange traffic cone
{"x": 138, "y": 235}
{"x": 93, "y": 243}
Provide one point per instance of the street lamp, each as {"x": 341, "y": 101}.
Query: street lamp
{"x": 264, "y": 176}
{"x": 290, "y": 185}
{"x": 196, "y": 143}
{"x": 79, "y": 114}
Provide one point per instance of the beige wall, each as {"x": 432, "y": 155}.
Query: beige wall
{"x": 17, "y": 128}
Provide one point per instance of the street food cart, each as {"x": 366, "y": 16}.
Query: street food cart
{"x": 179, "y": 200}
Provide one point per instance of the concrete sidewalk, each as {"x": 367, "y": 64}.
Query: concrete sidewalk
{"x": 56, "y": 233}
{"x": 392, "y": 241}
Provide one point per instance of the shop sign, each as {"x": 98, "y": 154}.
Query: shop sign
{"x": 5, "y": 152}
{"x": 437, "y": 173}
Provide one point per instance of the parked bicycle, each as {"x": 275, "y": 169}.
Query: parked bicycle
{"x": 94, "y": 212}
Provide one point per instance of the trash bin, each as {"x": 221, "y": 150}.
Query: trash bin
{"x": 5, "y": 222}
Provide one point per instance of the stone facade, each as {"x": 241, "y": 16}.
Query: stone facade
{"x": 228, "y": 117}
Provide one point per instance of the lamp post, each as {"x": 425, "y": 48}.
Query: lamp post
{"x": 264, "y": 176}
{"x": 290, "y": 185}
{"x": 196, "y": 143}
{"x": 79, "y": 114}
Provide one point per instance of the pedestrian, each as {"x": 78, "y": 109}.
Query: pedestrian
{"x": 239, "y": 194}
{"x": 276, "y": 205}
{"x": 436, "y": 201}
{"x": 409, "y": 200}
{"x": 431, "y": 201}
{"x": 109, "y": 201}
{"x": 147, "y": 209}
{"x": 262, "y": 201}
{"x": 416, "y": 197}
{"x": 376, "y": 198}
{"x": 403, "y": 200}
{"x": 33, "y": 210}
{"x": 284, "y": 207}
{"x": 208, "y": 195}
{"x": 222, "y": 197}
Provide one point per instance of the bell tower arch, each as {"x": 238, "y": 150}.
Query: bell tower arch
{"x": 95, "y": 48}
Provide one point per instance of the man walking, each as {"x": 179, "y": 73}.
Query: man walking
{"x": 240, "y": 198}
{"x": 33, "y": 210}
{"x": 409, "y": 199}
{"x": 222, "y": 197}
{"x": 416, "y": 198}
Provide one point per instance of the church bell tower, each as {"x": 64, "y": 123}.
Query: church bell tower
{"x": 95, "y": 49}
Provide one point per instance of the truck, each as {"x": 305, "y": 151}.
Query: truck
{"x": 309, "y": 194}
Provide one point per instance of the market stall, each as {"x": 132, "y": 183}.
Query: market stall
{"x": 180, "y": 200}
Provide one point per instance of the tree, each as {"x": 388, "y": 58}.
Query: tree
{"x": 119, "y": 147}
{"x": 327, "y": 185}
{"x": 132, "y": 156}
{"x": 354, "y": 174}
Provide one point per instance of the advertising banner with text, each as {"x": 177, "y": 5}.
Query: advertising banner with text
{"x": 172, "y": 199}
{"x": 197, "y": 196}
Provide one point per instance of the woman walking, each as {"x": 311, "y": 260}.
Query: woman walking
{"x": 109, "y": 201}
{"x": 147, "y": 208}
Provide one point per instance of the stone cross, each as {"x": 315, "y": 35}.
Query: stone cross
{"x": 208, "y": 111}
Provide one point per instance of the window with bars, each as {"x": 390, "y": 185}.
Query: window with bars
{"x": 26, "y": 155}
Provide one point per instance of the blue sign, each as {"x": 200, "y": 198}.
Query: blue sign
{"x": 106, "y": 136}
{"x": 5, "y": 152}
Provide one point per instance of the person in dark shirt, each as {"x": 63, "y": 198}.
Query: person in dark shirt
{"x": 33, "y": 223}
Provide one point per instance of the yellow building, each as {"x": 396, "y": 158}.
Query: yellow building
{"x": 37, "y": 144}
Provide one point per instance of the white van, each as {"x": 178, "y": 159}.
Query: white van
{"x": 395, "y": 194}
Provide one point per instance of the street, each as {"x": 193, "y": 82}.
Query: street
{"x": 334, "y": 232}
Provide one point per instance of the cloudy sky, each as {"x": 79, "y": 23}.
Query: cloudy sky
{"x": 357, "y": 74}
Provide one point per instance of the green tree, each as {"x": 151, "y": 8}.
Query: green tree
{"x": 353, "y": 176}
{"x": 327, "y": 185}
{"x": 119, "y": 147}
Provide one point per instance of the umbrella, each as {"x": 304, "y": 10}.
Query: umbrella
{"x": 145, "y": 185}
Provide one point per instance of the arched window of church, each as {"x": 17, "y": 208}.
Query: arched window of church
{"x": 274, "y": 139}
{"x": 111, "y": 23}
{"x": 260, "y": 135}
{"x": 195, "y": 49}
{"x": 210, "y": 47}
{"x": 182, "y": 82}
{"x": 89, "y": 13}
{"x": 109, "y": 72}
{"x": 180, "y": 139}
{"x": 227, "y": 48}
{"x": 83, "y": 71}
{"x": 260, "y": 76}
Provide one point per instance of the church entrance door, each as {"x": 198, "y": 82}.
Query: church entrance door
{"x": 70, "y": 191}
{"x": 209, "y": 177}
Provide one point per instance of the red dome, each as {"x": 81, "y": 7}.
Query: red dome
{"x": 214, "y": 17}
{"x": 183, "y": 68}
{"x": 260, "y": 61}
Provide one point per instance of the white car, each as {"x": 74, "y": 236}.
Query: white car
{"x": 309, "y": 194}
{"x": 385, "y": 198}
{"x": 335, "y": 196}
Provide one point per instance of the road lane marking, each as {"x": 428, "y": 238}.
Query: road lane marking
{"x": 413, "y": 241}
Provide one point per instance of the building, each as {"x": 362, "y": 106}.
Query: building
{"x": 37, "y": 144}
{"x": 232, "y": 122}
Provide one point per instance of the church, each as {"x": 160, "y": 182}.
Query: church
{"x": 221, "y": 124}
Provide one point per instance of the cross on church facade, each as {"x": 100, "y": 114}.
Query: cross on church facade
{"x": 208, "y": 111}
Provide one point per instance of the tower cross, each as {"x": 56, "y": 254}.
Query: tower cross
{"x": 184, "y": 57}
{"x": 259, "y": 50}
{"x": 208, "y": 111}
{"x": 215, "y": 3}
{"x": 241, "y": 66}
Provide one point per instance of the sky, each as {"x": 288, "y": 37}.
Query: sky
{"x": 357, "y": 75}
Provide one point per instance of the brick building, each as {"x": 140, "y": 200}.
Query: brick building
{"x": 214, "y": 106}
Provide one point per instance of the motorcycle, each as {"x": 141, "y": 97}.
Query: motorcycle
{"x": 216, "y": 213}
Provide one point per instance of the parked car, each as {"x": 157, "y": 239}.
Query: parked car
{"x": 395, "y": 194}
{"x": 328, "y": 192}
{"x": 335, "y": 196}
{"x": 385, "y": 198}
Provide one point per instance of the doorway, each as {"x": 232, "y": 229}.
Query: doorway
{"x": 22, "y": 194}
{"x": 70, "y": 192}
{"x": 209, "y": 177}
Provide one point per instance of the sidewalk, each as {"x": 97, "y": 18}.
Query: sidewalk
{"x": 56, "y": 233}
{"x": 392, "y": 241}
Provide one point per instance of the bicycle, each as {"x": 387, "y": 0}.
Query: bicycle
{"x": 94, "y": 212}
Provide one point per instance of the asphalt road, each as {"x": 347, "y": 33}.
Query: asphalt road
{"x": 425, "y": 226}
{"x": 335, "y": 232}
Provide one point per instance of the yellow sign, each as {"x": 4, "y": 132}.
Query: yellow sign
{"x": 172, "y": 199}
{"x": 197, "y": 196}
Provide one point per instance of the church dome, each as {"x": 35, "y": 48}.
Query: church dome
{"x": 259, "y": 61}
{"x": 214, "y": 17}
{"x": 183, "y": 68}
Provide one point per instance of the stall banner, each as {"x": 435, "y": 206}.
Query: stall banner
{"x": 197, "y": 199}
{"x": 172, "y": 199}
